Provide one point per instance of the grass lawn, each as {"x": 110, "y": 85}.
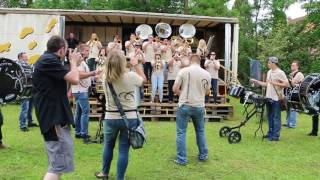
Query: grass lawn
{"x": 295, "y": 156}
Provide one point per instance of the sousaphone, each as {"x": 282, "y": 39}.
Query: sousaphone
{"x": 163, "y": 30}
{"x": 187, "y": 31}
{"x": 143, "y": 31}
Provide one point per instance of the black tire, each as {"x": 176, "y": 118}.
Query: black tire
{"x": 234, "y": 137}
{"x": 224, "y": 131}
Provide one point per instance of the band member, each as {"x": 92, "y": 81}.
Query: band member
{"x": 95, "y": 46}
{"x": 124, "y": 83}
{"x": 52, "y": 107}
{"x": 137, "y": 58}
{"x": 295, "y": 78}
{"x": 202, "y": 51}
{"x": 80, "y": 92}
{"x": 115, "y": 44}
{"x": 2, "y": 146}
{"x": 129, "y": 45}
{"x": 157, "y": 78}
{"x": 26, "y": 106}
{"x": 149, "y": 49}
{"x": 166, "y": 54}
{"x": 102, "y": 59}
{"x": 174, "y": 66}
{"x": 315, "y": 125}
{"x": 191, "y": 84}
{"x": 276, "y": 82}
{"x": 212, "y": 65}
{"x": 72, "y": 41}
{"x": 184, "y": 51}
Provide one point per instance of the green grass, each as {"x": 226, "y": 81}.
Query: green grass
{"x": 295, "y": 156}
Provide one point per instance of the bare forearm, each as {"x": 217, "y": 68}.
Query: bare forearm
{"x": 84, "y": 75}
{"x": 140, "y": 72}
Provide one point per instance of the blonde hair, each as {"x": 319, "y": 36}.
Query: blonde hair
{"x": 115, "y": 66}
{"x": 202, "y": 44}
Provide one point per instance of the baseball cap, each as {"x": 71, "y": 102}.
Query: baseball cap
{"x": 273, "y": 59}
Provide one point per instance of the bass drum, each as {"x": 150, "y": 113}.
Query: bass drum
{"x": 16, "y": 80}
{"x": 310, "y": 92}
{"x": 294, "y": 100}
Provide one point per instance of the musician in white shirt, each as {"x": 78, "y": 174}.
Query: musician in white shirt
{"x": 149, "y": 49}
{"x": 95, "y": 46}
{"x": 129, "y": 45}
{"x": 115, "y": 44}
{"x": 212, "y": 65}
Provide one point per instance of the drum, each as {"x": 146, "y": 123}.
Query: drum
{"x": 236, "y": 91}
{"x": 294, "y": 100}
{"x": 310, "y": 92}
{"x": 16, "y": 80}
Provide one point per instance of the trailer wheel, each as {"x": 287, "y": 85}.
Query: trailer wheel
{"x": 234, "y": 137}
{"x": 224, "y": 131}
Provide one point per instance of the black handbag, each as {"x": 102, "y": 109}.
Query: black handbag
{"x": 137, "y": 135}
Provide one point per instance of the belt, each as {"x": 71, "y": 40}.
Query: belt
{"x": 130, "y": 110}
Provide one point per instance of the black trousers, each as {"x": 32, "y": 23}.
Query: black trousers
{"x": 170, "y": 87}
{"x": 147, "y": 68}
{"x": 1, "y": 122}
{"x": 315, "y": 124}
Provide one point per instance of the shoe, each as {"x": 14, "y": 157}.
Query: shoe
{"x": 312, "y": 134}
{"x": 179, "y": 163}
{"x": 265, "y": 136}
{"x": 33, "y": 125}
{"x": 87, "y": 141}
{"x": 78, "y": 136}
{"x": 285, "y": 125}
{"x": 24, "y": 129}
{"x": 100, "y": 175}
{"x": 2, "y": 146}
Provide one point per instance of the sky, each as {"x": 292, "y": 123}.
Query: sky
{"x": 294, "y": 11}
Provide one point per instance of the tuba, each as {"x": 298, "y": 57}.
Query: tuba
{"x": 187, "y": 31}
{"x": 163, "y": 30}
{"x": 143, "y": 31}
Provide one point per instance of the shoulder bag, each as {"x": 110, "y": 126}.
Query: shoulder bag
{"x": 137, "y": 135}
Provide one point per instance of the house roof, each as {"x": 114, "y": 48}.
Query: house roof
{"x": 125, "y": 17}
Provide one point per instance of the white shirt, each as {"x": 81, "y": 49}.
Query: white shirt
{"x": 85, "y": 83}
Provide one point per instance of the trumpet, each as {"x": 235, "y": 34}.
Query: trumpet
{"x": 156, "y": 39}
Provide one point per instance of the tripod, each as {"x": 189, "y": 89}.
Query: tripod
{"x": 99, "y": 136}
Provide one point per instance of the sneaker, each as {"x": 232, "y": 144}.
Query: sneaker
{"x": 78, "y": 136}
{"x": 2, "y": 146}
{"x": 87, "y": 141}
{"x": 312, "y": 134}
{"x": 24, "y": 129}
{"x": 179, "y": 163}
{"x": 33, "y": 125}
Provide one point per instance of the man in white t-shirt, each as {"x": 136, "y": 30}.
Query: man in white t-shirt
{"x": 191, "y": 84}
{"x": 295, "y": 79}
{"x": 80, "y": 92}
{"x": 276, "y": 82}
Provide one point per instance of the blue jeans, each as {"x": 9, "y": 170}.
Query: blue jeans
{"x": 157, "y": 83}
{"x": 111, "y": 130}
{"x": 291, "y": 117}
{"x": 214, "y": 90}
{"x": 25, "y": 113}
{"x": 184, "y": 113}
{"x": 274, "y": 119}
{"x": 81, "y": 117}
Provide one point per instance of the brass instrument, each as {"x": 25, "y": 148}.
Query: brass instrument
{"x": 187, "y": 31}
{"x": 163, "y": 30}
{"x": 143, "y": 31}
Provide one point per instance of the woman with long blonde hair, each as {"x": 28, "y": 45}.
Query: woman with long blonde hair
{"x": 125, "y": 83}
{"x": 202, "y": 51}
